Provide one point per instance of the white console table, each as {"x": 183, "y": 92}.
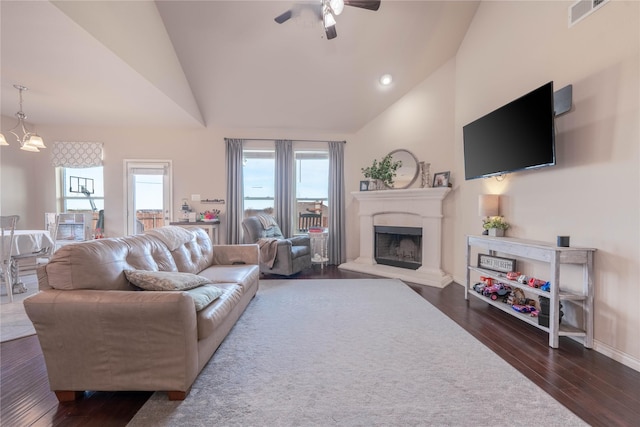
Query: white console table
{"x": 555, "y": 256}
{"x": 211, "y": 227}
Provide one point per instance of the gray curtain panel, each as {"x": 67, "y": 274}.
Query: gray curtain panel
{"x": 235, "y": 192}
{"x": 336, "y": 246}
{"x": 284, "y": 186}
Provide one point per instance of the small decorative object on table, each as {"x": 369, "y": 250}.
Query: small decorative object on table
{"x": 424, "y": 175}
{"x": 441, "y": 179}
{"x": 210, "y": 215}
{"x": 495, "y": 225}
{"x": 495, "y": 263}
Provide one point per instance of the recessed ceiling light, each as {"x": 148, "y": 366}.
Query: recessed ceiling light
{"x": 386, "y": 80}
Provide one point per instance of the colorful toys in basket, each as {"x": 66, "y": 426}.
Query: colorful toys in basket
{"x": 535, "y": 283}
{"x": 487, "y": 280}
{"x": 496, "y": 290}
{"x": 513, "y": 275}
{"x": 479, "y": 287}
{"x": 526, "y": 309}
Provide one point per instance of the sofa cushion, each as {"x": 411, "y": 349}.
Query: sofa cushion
{"x": 99, "y": 264}
{"x": 243, "y": 275}
{"x": 173, "y": 237}
{"x": 211, "y": 317}
{"x": 204, "y": 295}
{"x": 165, "y": 280}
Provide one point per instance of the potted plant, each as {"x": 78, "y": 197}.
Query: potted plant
{"x": 495, "y": 225}
{"x": 383, "y": 172}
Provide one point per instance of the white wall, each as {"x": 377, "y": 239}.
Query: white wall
{"x": 592, "y": 194}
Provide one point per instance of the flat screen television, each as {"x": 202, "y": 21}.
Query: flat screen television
{"x": 519, "y": 135}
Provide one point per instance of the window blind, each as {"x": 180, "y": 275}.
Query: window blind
{"x": 76, "y": 154}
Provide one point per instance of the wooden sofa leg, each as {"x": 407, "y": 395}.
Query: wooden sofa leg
{"x": 68, "y": 395}
{"x": 178, "y": 395}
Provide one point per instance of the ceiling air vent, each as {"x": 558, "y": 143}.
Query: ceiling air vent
{"x": 583, "y": 8}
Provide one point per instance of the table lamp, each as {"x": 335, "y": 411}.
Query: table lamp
{"x": 488, "y": 206}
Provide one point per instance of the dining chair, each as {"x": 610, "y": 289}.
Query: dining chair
{"x": 7, "y": 229}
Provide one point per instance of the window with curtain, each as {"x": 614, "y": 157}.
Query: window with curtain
{"x": 311, "y": 189}
{"x": 80, "y": 177}
{"x": 311, "y": 185}
{"x": 82, "y": 189}
{"x": 259, "y": 181}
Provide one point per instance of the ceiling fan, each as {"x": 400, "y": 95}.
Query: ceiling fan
{"x": 329, "y": 9}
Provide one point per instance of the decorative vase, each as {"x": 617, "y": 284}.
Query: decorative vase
{"x": 376, "y": 184}
{"x": 496, "y": 232}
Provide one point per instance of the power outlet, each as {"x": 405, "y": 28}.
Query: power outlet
{"x": 195, "y": 197}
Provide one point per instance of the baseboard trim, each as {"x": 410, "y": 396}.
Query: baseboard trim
{"x": 617, "y": 355}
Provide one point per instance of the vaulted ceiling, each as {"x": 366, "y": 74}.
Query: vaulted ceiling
{"x": 218, "y": 63}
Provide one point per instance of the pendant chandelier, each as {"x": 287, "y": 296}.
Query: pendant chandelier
{"x": 29, "y": 141}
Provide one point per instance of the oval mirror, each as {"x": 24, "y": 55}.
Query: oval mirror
{"x": 408, "y": 172}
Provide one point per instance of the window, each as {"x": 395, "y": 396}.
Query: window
{"x": 259, "y": 181}
{"x": 312, "y": 189}
{"x": 82, "y": 189}
{"x": 310, "y": 186}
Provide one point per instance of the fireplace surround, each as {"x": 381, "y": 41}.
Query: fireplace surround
{"x": 412, "y": 208}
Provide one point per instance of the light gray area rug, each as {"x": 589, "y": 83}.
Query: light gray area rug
{"x": 14, "y": 322}
{"x": 355, "y": 352}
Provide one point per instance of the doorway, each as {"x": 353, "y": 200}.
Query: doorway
{"x": 148, "y": 194}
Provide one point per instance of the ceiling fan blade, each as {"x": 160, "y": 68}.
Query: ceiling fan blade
{"x": 284, "y": 17}
{"x": 364, "y": 4}
{"x": 331, "y": 32}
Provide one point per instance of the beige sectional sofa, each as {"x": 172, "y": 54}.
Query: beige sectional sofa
{"x": 99, "y": 332}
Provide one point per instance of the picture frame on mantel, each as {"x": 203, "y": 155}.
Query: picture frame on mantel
{"x": 364, "y": 185}
{"x": 441, "y": 179}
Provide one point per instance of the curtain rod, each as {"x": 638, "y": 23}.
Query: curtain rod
{"x": 294, "y": 140}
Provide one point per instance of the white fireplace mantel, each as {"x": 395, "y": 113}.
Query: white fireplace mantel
{"x": 415, "y": 207}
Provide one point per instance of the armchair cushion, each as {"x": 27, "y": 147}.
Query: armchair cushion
{"x": 165, "y": 280}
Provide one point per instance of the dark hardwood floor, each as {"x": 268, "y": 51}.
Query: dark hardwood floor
{"x": 599, "y": 390}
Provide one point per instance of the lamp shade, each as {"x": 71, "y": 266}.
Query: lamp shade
{"x": 36, "y": 141}
{"x": 3, "y": 141}
{"x": 488, "y": 205}
{"x": 28, "y": 147}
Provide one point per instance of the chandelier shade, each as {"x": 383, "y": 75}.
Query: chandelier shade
{"x": 29, "y": 141}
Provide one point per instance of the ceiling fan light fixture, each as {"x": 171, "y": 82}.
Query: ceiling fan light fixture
{"x": 337, "y": 6}
{"x": 328, "y": 19}
{"x": 386, "y": 79}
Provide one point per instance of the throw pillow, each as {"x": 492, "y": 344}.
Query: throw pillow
{"x": 204, "y": 295}
{"x": 165, "y": 280}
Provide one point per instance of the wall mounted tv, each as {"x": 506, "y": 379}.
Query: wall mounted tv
{"x": 516, "y": 136}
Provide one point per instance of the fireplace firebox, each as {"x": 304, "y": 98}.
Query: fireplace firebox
{"x": 398, "y": 246}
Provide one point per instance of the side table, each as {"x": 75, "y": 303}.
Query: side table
{"x": 319, "y": 238}
{"x": 211, "y": 227}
